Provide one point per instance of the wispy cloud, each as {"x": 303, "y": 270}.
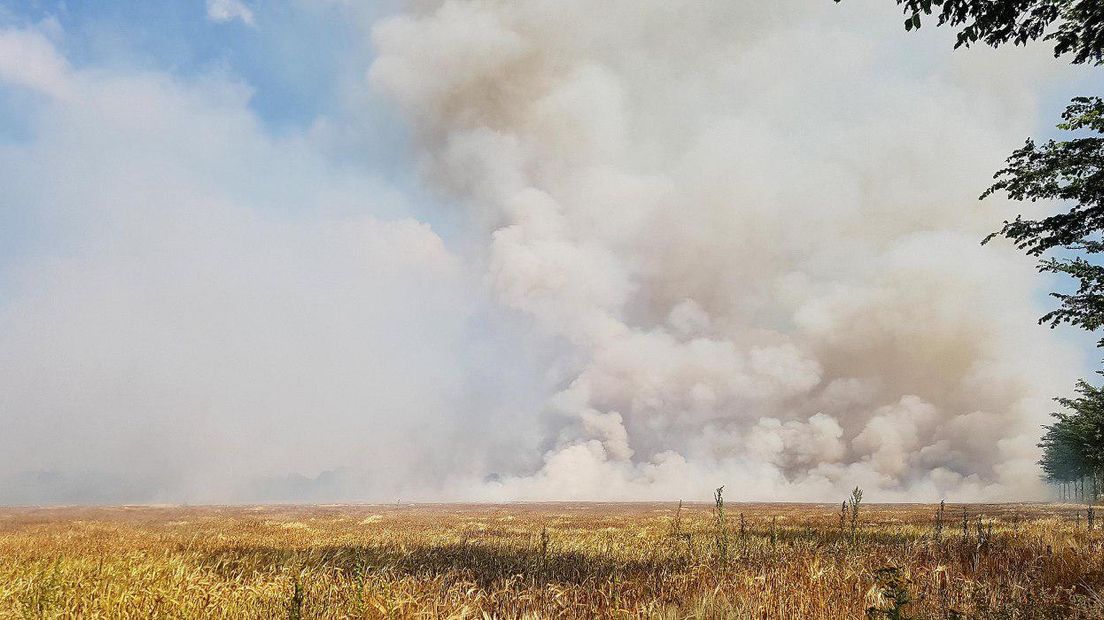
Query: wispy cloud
{"x": 227, "y": 10}
{"x": 28, "y": 59}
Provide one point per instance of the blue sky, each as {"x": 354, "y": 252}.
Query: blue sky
{"x": 291, "y": 55}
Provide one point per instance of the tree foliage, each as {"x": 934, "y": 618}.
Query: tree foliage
{"x": 1073, "y": 26}
{"x": 1070, "y": 171}
{"x": 1073, "y": 446}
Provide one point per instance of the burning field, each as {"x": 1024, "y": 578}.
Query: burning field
{"x": 552, "y": 560}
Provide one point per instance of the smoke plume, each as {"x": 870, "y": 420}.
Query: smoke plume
{"x": 753, "y": 229}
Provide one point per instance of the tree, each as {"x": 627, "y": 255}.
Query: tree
{"x": 1074, "y": 26}
{"x": 1073, "y": 446}
{"x": 1071, "y": 171}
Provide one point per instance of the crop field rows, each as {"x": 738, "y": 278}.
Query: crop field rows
{"x": 551, "y": 560}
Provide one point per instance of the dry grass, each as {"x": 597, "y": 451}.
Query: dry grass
{"x": 550, "y": 560}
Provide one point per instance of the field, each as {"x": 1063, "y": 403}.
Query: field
{"x": 550, "y": 560}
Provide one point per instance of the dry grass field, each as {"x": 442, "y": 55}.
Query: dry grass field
{"x": 549, "y": 560}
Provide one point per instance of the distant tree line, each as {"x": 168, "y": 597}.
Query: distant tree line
{"x": 1073, "y": 446}
{"x": 1069, "y": 172}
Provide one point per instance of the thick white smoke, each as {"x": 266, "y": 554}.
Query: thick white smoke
{"x": 754, "y": 227}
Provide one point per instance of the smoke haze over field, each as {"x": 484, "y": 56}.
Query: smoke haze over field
{"x": 660, "y": 246}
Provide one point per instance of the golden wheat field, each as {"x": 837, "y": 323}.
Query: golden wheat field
{"x": 550, "y": 560}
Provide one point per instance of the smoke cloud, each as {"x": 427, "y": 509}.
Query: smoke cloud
{"x": 758, "y": 244}
{"x": 659, "y": 246}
